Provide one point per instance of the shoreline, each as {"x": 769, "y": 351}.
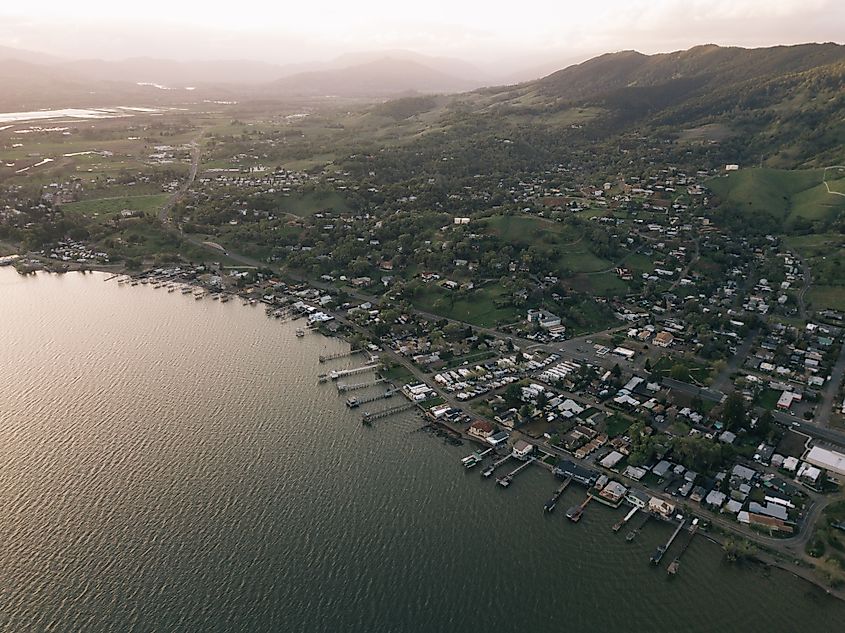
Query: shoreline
{"x": 760, "y": 557}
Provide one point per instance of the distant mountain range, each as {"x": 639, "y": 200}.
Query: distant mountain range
{"x": 793, "y": 91}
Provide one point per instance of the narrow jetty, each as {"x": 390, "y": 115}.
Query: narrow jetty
{"x": 627, "y": 518}
{"x": 675, "y": 564}
{"x": 505, "y": 481}
{"x": 473, "y": 460}
{"x": 342, "y": 387}
{"x": 357, "y": 402}
{"x": 633, "y": 533}
{"x": 575, "y": 512}
{"x": 336, "y": 374}
{"x": 324, "y": 358}
{"x": 115, "y": 276}
{"x": 552, "y": 502}
{"x": 487, "y": 472}
{"x": 661, "y": 549}
{"x": 368, "y": 418}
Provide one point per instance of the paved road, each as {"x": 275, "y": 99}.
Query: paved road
{"x": 808, "y": 280}
{"x": 723, "y": 381}
{"x": 196, "y": 152}
{"x": 812, "y": 429}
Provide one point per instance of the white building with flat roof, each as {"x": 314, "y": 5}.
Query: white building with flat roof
{"x": 831, "y": 461}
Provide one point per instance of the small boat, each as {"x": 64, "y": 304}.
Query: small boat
{"x": 224, "y": 298}
{"x": 186, "y": 290}
{"x": 322, "y": 378}
{"x": 352, "y": 402}
{"x": 300, "y": 332}
{"x": 171, "y": 290}
{"x": 631, "y": 536}
{"x": 487, "y": 471}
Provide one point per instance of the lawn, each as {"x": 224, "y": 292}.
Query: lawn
{"x": 617, "y": 425}
{"x": 477, "y": 308}
{"x": 525, "y": 230}
{"x": 768, "y": 398}
{"x": 601, "y": 285}
{"x": 693, "y": 371}
{"x": 112, "y": 205}
{"x": 831, "y": 297}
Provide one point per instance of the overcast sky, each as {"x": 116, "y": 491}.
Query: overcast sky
{"x": 486, "y": 32}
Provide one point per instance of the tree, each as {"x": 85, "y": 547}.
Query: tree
{"x": 734, "y": 412}
{"x": 524, "y": 412}
{"x": 616, "y": 371}
{"x": 679, "y": 372}
{"x": 647, "y": 365}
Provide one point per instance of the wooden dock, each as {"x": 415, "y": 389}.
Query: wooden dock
{"x": 505, "y": 481}
{"x": 575, "y": 512}
{"x": 618, "y": 526}
{"x": 324, "y": 358}
{"x": 675, "y": 564}
{"x": 633, "y": 533}
{"x": 336, "y": 374}
{"x": 662, "y": 549}
{"x": 368, "y": 418}
{"x": 343, "y": 387}
{"x": 487, "y": 472}
{"x": 357, "y": 402}
{"x": 552, "y": 502}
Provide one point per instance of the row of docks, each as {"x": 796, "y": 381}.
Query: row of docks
{"x": 369, "y": 418}
{"x": 324, "y": 358}
{"x": 357, "y": 402}
{"x": 575, "y": 513}
{"x": 343, "y": 387}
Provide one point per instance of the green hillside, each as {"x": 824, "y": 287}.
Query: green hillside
{"x": 786, "y": 199}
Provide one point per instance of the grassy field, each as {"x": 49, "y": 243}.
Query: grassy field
{"x": 477, "y": 308}
{"x": 311, "y": 203}
{"x": 692, "y": 371}
{"x": 112, "y": 205}
{"x": 825, "y": 255}
{"x": 785, "y": 195}
{"x": 602, "y": 285}
{"x": 522, "y": 230}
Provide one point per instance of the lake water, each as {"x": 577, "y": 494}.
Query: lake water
{"x": 171, "y": 465}
{"x": 72, "y": 113}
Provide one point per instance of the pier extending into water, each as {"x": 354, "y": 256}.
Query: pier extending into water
{"x": 575, "y": 512}
{"x": 342, "y": 387}
{"x": 368, "y": 418}
{"x": 476, "y": 458}
{"x": 487, "y": 472}
{"x": 552, "y": 502}
{"x": 628, "y": 517}
{"x": 357, "y": 402}
{"x": 633, "y": 533}
{"x": 661, "y": 549}
{"x": 505, "y": 481}
{"x": 327, "y": 357}
{"x": 335, "y": 374}
{"x": 675, "y": 564}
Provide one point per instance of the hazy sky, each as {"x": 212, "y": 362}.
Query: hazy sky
{"x": 484, "y": 31}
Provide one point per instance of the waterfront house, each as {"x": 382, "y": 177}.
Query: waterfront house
{"x": 637, "y": 498}
{"x": 481, "y": 429}
{"x": 661, "y": 507}
{"x": 522, "y": 449}
{"x": 566, "y": 468}
{"x": 498, "y": 438}
{"x": 613, "y": 493}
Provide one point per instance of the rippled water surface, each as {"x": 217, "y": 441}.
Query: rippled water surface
{"x": 171, "y": 465}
